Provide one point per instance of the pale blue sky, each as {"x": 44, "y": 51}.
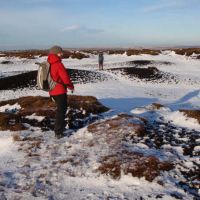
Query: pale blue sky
{"x": 98, "y": 23}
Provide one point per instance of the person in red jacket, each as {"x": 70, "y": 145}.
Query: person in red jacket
{"x": 59, "y": 94}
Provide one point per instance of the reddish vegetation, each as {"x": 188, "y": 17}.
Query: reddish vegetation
{"x": 115, "y": 132}
{"x": 31, "y": 54}
{"x": 44, "y": 106}
{"x": 74, "y": 54}
{"x": 157, "y": 106}
{"x": 180, "y": 51}
{"x": 187, "y": 51}
{"x": 131, "y": 52}
{"x": 192, "y": 113}
{"x": 10, "y": 122}
{"x": 133, "y": 163}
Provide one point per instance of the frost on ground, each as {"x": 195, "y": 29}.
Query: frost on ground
{"x": 117, "y": 158}
{"x": 147, "y": 146}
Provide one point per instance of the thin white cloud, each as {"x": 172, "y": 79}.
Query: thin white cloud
{"x": 81, "y": 29}
{"x": 29, "y": 1}
{"x": 166, "y": 4}
{"x": 71, "y": 28}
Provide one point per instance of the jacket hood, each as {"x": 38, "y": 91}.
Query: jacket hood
{"x": 52, "y": 58}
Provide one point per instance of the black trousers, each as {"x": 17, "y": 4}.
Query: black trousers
{"x": 100, "y": 65}
{"x": 61, "y": 104}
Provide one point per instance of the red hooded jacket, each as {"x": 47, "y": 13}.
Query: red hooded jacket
{"x": 59, "y": 74}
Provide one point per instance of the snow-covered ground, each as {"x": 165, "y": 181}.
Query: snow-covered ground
{"x": 121, "y": 95}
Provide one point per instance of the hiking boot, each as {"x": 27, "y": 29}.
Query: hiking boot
{"x": 58, "y": 136}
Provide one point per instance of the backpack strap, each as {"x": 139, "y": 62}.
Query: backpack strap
{"x": 59, "y": 82}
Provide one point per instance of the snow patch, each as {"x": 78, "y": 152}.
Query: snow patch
{"x": 34, "y": 117}
{"x": 10, "y": 108}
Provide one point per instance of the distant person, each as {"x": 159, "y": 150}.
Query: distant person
{"x": 101, "y": 59}
{"x": 59, "y": 93}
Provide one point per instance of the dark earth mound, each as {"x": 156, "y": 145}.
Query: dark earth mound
{"x": 147, "y": 74}
{"x": 136, "y": 69}
{"x": 5, "y": 62}
{"x": 150, "y": 73}
{"x": 28, "y": 79}
{"x": 148, "y": 62}
{"x": 80, "y": 109}
{"x": 143, "y": 73}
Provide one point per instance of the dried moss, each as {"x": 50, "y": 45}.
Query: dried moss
{"x": 187, "y": 51}
{"x": 80, "y": 107}
{"x": 32, "y": 54}
{"x": 114, "y": 132}
{"x": 131, "y": 52}
{"x": 133, "y": 163}
{"x": 11, "y": 122}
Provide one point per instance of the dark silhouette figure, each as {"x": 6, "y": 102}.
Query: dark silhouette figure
{"x": 101, "y": 59}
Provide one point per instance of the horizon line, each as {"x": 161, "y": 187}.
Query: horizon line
{"x": 107, "y": 48}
